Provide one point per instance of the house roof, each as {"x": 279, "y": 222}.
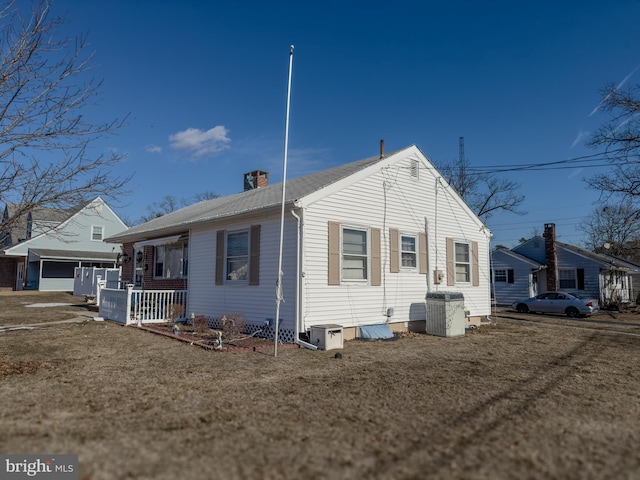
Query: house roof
{"x": 73, "y": 255}
{"x": 18, "y": 232}
{"x": 519, "y": 257}
{"x": 607, "y": 261}
{"x": 246, "y": 202}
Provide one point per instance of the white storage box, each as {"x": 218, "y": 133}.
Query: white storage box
{"x": 326, "y": 337}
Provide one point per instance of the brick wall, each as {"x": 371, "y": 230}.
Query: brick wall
{"x": 8, "y": 271}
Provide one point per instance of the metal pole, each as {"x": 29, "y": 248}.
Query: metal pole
{"x": 284, "y": 186}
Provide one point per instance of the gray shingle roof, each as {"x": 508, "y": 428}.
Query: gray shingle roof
{"x": 244, "y": 202}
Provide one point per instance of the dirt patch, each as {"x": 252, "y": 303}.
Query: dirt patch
{"x": 515, "y": 399}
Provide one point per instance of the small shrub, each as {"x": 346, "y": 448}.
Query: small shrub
{"x": 233, "y": 324}
{"x": 200, "y": 323}
{"x": 175, "y": 312}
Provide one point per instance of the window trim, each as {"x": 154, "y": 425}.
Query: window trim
{"x": 93, "y": 227}
{"x": 240, "y": 281}
{"x": 468, "y": 263}
{"x": 366, "y": 256}
{"x": 414, "y": 252}
{"x": 500, "y": 278}
{"x": 184, "y": 264}
{"x": 574, "y": 279}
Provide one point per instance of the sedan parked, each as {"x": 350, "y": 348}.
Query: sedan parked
{"x": 571, "y": 304}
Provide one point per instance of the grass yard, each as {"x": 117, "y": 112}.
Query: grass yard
{"x": 515, "y": 399}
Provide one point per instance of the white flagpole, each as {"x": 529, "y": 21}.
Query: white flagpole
{"x": 284, "y": 185}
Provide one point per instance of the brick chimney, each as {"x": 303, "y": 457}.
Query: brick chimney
{"x": 255, "y": 179}
{"x": 551, "y": 256}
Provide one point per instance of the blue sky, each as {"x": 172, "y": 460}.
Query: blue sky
{"x": 204, "y": 84}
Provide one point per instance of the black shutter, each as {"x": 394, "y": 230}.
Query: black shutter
{"x": 580, "y": 278}
{"x": 510, "y": 275}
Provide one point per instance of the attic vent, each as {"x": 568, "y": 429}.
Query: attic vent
{"x": 414, "y": 169}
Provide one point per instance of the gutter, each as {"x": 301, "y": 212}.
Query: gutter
{"x": 299, "y": 275}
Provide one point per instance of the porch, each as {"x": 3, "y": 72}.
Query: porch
{"x": 128, "y": 306}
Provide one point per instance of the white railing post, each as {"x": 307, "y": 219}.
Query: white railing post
{"x": 128, "y": 305}
{"x": 101, "y": 284}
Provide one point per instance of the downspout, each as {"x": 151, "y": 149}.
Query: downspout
{"x": 299, "y": 295}
{"x": 426, "y": 232}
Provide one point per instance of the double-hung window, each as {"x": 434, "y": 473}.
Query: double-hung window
{"x": 500, "y": 275}
{"x": 408, "y": 253}
{"x": 237, "y": 256}
{"x": 97, "y": 232}
{"x": 463, "y": 263}
{"x": 171, "y": 260}
{"x": 354, "y": 254}
{"x": 567, "y": 278}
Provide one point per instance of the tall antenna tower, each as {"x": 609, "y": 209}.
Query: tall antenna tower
{"x": 461, "y": 150}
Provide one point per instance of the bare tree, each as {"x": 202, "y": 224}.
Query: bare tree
{"x": 45, "y": 133}
{"x": 614, "y": 230}
{"x": 484, "y": 193}
{"x": 170, "y": 204}
{"x": 619, "y": 139}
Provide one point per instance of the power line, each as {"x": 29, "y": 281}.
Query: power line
{"x": 575, "y": 162}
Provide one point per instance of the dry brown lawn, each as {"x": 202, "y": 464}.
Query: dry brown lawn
{"x": 516, "y": 399}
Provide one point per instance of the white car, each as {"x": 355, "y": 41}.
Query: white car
{"x": 571, "y": 304}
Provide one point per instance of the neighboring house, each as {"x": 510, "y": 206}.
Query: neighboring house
{"x": 44, "y": 246}
{"x": 542, "y": 264}
{"x": 363, "y": 244}
{"x": 514, "y": 276}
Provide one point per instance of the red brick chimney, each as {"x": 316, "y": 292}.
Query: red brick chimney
{"x": 551, "y": 256}
{"x": 255, "y": 179}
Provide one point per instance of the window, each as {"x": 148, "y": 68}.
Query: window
{"x": 51, "y": 269}
{"x": 567, "y": 278}
{"x": 500, "y": 275}
{"x": 463, "y": 264}
{"x": 238, "y": 256}
{"x": 170, "y": 261}
{"x": 409, "y": 257}
{"x": 97, "y": 233}
{"x": 354, "y": 254}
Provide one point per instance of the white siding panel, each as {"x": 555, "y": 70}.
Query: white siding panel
{"x": 389, "y": 199}
{"x": 256, "y": 303}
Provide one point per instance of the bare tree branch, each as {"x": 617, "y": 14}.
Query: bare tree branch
{"x": 485, "y": 194}
{"x": 45, "y": 135}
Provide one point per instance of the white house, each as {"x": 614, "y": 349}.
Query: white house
{"x": 47, "y": 253}
{"x": 363, "y": 244}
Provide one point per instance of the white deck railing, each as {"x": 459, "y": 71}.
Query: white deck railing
{"x": 141, "y": 306}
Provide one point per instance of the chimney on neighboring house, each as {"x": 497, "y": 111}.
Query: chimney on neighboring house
{"x": 551, "y": 256}
{"x": 255, "y": 179}
{"x": 381, "y": 148}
